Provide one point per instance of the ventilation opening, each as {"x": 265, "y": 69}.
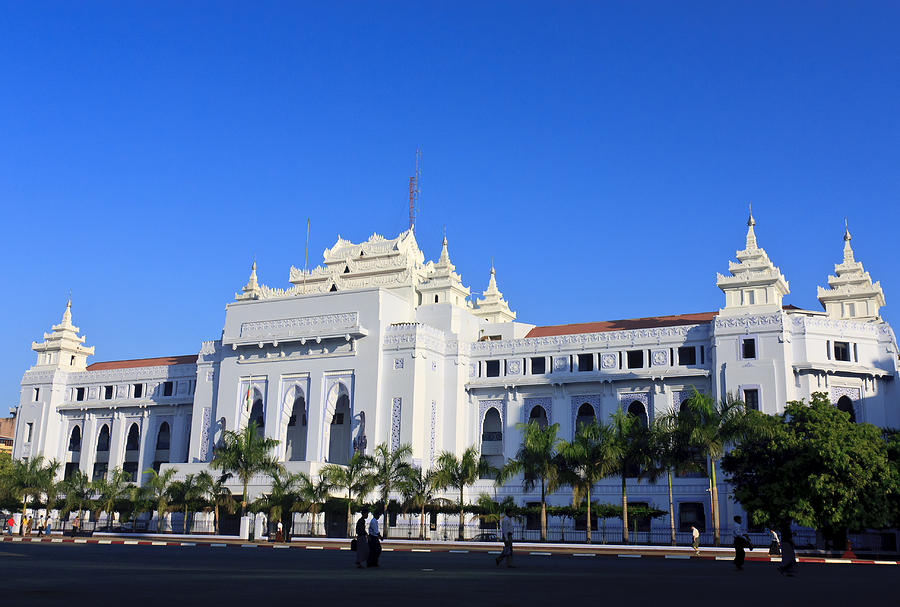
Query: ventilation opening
{"x": 346, "y": 269}
{"x": 333, "y": 288}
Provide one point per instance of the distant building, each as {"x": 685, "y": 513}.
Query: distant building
{"x": 7, "y": 432}
{"x": 378, "y": 346}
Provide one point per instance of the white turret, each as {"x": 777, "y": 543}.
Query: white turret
{"x": 493, "y": 308}
{"x": 851, "y": 294}
{"x": 756, "y": 285}
{"x": 251, "y": 290}
{"x": 63, "y": 348}
{"x": 442, "y": 284}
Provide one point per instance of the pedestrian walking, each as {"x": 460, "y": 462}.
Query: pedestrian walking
{"x": 775, "y": 545}
{"x": 506, "y": 534}
{"x": 695, "y": 540}
{"x": 41, "y": 526}
{"x": 741, "y": 541}
{"x": 374, "y": 538}
{"x": 75, "y": 525}
{"x": 279, "y": 534}
{"x": 788, "y": 554}
{"x": 10, "y": 523}
{"x": 362, "y": 540}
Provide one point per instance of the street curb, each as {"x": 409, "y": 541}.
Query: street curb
{"x": 572, "y": 551}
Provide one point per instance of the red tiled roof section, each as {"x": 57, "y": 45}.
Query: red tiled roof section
{"x": 162, "y": 361}
{"x": 623, "y": 325}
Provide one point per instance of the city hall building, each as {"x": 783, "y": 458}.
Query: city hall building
{"x": 379, "y": 346}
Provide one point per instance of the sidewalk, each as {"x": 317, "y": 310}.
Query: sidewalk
{"x": 389, "y": 545}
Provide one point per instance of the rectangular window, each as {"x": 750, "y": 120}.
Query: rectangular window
{"x": 635, "y": 359}
{"x": 130, "y": 469}
{"x": 748, "y": 347}
{"x": 691, "y": 513}
{"x": 71, "y": 468}
{"x": 585, "y": 362}
{"x": 492, "y": 368}
{"x": 842, "y": 351}
{"x": 751, "y": 399}
{"x": 107, "y": 392}
{"x": 702, "y": 355}
{"x": 538, "y": 365}
{"x": 29, "y": 431}
{"x": 137, "y": 390}
{"x": 36, "y": 394}
{"x": 828, "y": 349}
{"x": 855, "y": 355}
{"x": 99, "y": 471}
{"x": 167, "y": 388}
{"x": 338, "y": 419}
{"x": 79, "y": 394}
{"x": 687, "y": 355}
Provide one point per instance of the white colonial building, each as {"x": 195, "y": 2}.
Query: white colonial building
{"x": 378, "y": 346}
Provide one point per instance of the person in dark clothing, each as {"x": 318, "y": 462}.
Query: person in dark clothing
{"x": 374, "y": 538}
{"x": 741, "y": 541}
{"x": 362, "y": 539}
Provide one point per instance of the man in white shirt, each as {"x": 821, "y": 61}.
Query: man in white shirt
{"x": 374, "y": 538}
{"x": 506, "y": 534}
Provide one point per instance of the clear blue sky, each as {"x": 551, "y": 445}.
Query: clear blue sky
{"x": 601, "y": 153}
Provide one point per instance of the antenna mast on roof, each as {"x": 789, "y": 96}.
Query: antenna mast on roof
{"x": 414, "y": 194}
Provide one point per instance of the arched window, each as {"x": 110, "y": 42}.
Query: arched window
{"x": 846, "y": 405}
{"x": 75, "y": 439}
{"x": 637, "y": 409}
{"x": 256, "y": 415}
{"x": 586, "y": 415}
{"x": 103, "y": 439}
{"x": 492, "y": 439}
{"x": 296, "y": 432}
{"x": 133, "y": 442}
{"x": 538, "y": 414}
{"x": 339, "y": 433}
{"x": 162, "y": 439}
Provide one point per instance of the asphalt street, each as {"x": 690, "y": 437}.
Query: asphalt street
{"x": 133, "y": 576}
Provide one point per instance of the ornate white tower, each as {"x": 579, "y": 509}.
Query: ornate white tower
{"x": 851, "y": 294}
{"x": 493, "y": 308}
{"x": 755, "y": 284}
{"x": 443, "y": 284}
{"x": 250, "y": 290}
{"x": 62, "y": 349}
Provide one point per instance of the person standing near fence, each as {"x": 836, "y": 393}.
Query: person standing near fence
{"x": 362, "y": 539}
{"x": 10, "y": 523}
{"x": 374, "y": 538}
{"x": 775, "y": 545}
{"x": 695, "y": 540}
{"x": 741, "y": 541}
{"x": 75, "y": 525}
{"x": 506, "y": 534}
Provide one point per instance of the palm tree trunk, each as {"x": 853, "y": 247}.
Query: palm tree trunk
{"x": 543, "y": 513}
{"x": 187, "y": 529}
{"x": 244, "y": 500}
{"x": 671, "y": 505}
{"x": 461, "y": 515}
{"x": 624, "y": 510}
{"x": 216, "y": 518}
{"x": 387, "y": 517}
{"x": 714, "y": 496}
{"x": 422, "y": 523}
{"x": 588, "y": 539}
{"x": 349, "y": 514}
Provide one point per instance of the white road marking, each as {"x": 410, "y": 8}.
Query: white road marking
{"x": 838, "y": 561}
{"x": 280, "y": 546}
{"x": 540, "y": 553}
{"x": 188, "y": 544}
{"x": 420, "y": 550}
{"x": 584, "y": 554}
{"x": 629, "y": 556}
{"x": 131, "y": 542}
{"x": 459, "y": 551}
{"x": 885, "y": 562}
{"x": 212, "y": 545}
{"x": 248, "y": 545}
{"x": 678, "y": 556}
{"x": 315, "y": 548}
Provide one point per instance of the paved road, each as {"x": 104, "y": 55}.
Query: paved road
{"x": 133, "y": 576}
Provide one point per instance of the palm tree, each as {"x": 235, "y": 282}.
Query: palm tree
{"x": 116, "y": 486}
{"x": 355, "y": 478}
{"x": 246, "y": 453}
{"x": 29, "y": 478}
{"x": 214, "y": 492}
{"x": 459, "y": 473}
{"x": 710, "y": 426}
{"x": 635, "y": 458}
{"x": 157, "y": 491}
{"x": 283, "y": 496}
{"x": 491, "y": 510}
{"x": 672, "y": 453}
{"x": 419, "y": 491}
{"x": 592, "y": 455}
{"x": 314, "y": 494}
{"x": 79, "y": 491}
{"x": 187, "y": 494}
{"x": 389, "y": 468}
{"x": 536, "y": 460}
